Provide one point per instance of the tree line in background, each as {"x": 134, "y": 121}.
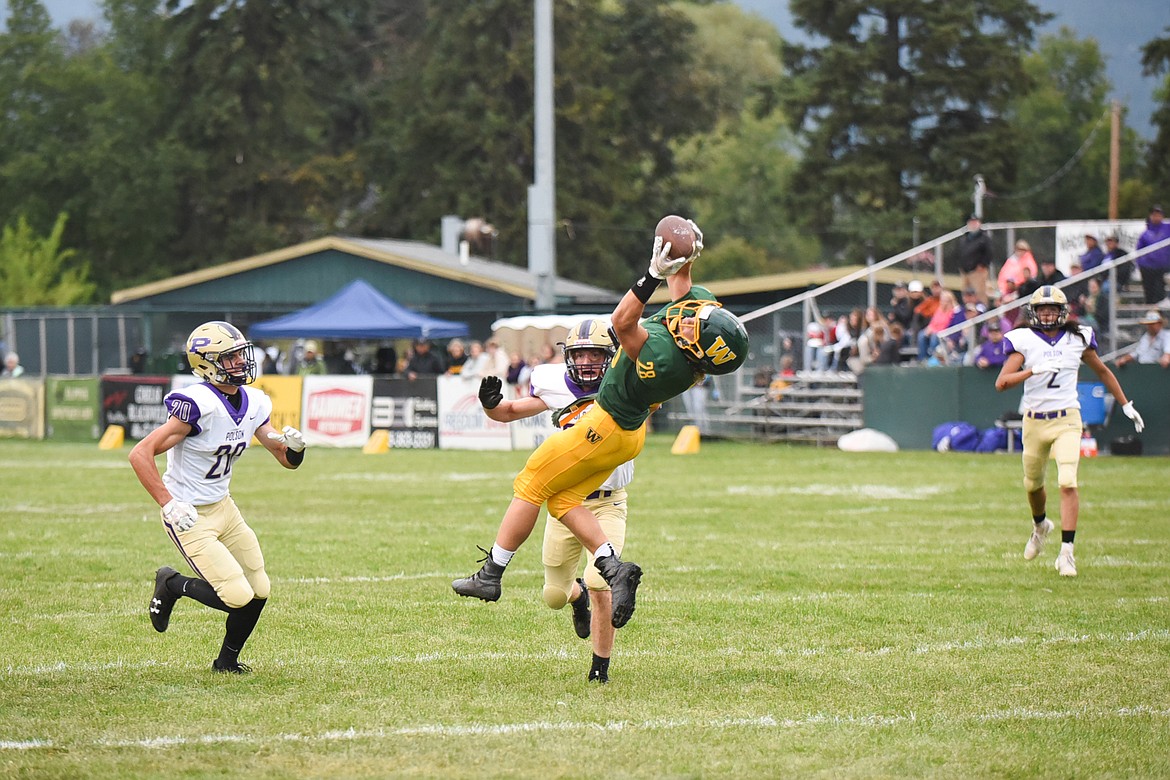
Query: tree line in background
{"x": 177, "y": 135}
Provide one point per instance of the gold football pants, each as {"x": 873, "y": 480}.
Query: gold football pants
{"x": 572, "y": 463}
{"x": 224, "y": 551}
{"x": 1060, "y": 438}
{"x": 562, "y": 551}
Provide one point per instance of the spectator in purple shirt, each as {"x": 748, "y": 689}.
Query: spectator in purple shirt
{"x": 1153, "y": 267}
{"x": 991, "y": 352}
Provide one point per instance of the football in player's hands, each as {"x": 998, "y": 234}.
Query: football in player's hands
{"x": 679, "y": 233}
{"x": 491, "y": 392}
{"x": 289, "y": 437}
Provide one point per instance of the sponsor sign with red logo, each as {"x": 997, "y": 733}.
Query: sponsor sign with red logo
{"x": 336, "y": 410}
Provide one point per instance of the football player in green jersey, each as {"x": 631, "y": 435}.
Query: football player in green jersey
{"x": 659, "y": 358}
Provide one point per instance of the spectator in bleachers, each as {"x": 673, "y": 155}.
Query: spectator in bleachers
{"x": 477, "y": 366}
{"x": 1019, "y": 266}
{"x": 975, "y": 257}
{"x": 947, "y": 313}
{"x": 990, "y": 353}
{"x": 890, "y": 352}
{"x": 1077, "y": 291}
{"x": 1010, "y": 294}
{"x": 1153, "y": 267}
{"x": 311, "y": 361}
{"x": 385, "y": 360}
{"x": 815, "y": 343}
{"x": 423, "y": 362}
{"x": 1154, "y": 345}
{"x": 901, "y": 307}
{"x": 869, "y": 346}
{"x": 456, "y": 356}
{"x": 1048, "y": 275}
{"x": 924, "y": 308}
{"x": 498, "y": 361}
{"x": 12, "y": 368}
{"x": 1093, "y": 255}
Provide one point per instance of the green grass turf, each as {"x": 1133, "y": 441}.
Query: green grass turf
{"x": 803, "y": 613}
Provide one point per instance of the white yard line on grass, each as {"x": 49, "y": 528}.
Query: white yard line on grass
{"x": 816, "y": 720}
{"x": 559, "y": 654}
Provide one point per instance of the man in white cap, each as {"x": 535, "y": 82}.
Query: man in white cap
{"x": 1153, "y": 346}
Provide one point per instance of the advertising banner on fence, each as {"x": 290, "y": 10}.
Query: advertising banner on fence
{"x": 134, "y": 402}
{"x": 22, "y": 408}
{"x": 285, "y": 392}
{"x": 527, "y": 434}
{"x": 71, "y": 409}
{"x": 336, "y": 410}
{"x": 462, "y": 423}
{"x": 409, "y": 409}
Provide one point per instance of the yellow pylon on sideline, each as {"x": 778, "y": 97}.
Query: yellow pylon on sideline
{"x": 378, "y": 443}
{"x": 687, "y": 441}
{"x": 113, "y": 438}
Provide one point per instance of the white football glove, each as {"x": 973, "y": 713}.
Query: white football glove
{"x": 698, "y": 248}
{"x": 1131, "y": 413}
{"x": 290, "y": 437}
{"x": 180, "y": 515}
{"x": 1049, "y": 366}
{"x": 661, "y": 263}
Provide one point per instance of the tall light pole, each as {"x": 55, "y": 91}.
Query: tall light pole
{"x": 542, "y": 247}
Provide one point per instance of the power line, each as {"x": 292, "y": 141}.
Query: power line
{"x": 1063, "y": 170}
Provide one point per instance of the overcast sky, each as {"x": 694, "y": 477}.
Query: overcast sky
{"x": 1121, "y": 30}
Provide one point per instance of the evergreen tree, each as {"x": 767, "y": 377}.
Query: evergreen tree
{"x": 903, "y": 105}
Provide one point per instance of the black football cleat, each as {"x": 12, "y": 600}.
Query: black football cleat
{"x": 623, "y": 578}
{"x": 598, "y": 676}
{"x": 582, "y": 617}
{"x": 230, "y": 667}
{"x": 162, "y": 602}
{"x": 485, "y": 583}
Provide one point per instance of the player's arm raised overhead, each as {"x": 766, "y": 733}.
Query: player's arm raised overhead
{"x": 627, "y": 317}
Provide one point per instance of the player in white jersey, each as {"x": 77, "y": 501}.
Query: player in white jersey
{"x": 568, "y": 390}
{"x": 209, "y": 425}
{"x": 1046, "y": 356}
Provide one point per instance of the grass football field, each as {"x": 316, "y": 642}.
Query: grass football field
{"x": 804, "y": 612}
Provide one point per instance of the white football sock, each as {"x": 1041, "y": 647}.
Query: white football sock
{"x": 501, "y": 556}
{"x": 604, "y": 550}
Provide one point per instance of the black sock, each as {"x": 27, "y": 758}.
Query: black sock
{"x": 240, "y": 623}
{"x": 197, "y": 589}
{"x": 1066, "y": 537}
{"x": 600, "y": 670}
{"x": 1038, "y": 519}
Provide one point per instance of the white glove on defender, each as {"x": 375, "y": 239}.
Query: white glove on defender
{"x": 661, "y": 264}
{"x": 1050, "y": 366}
{"x": 180, "y": 515}
{"x": 290, "y": 437}
{"x": 1131, "y": 413}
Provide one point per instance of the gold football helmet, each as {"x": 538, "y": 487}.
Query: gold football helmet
{"x": 580, "y": 348}
{"x": 1048, "y": 296}
{"x": 218, "y": 353}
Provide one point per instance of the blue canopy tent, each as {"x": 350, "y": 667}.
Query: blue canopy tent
{"x": 357, "y": 311}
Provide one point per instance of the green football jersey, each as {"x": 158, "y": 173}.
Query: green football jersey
{"x": 661, "y": 372}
